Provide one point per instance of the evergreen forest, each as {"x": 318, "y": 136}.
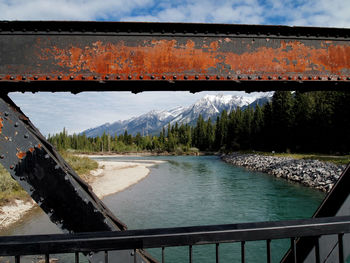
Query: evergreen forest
{"x": 317, "y": 122}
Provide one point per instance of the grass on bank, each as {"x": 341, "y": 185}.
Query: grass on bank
{"x": 336, "y": 159}
{"x": 11, "y": 190}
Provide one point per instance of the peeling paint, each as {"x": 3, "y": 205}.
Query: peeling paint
{"x": 20, "y": 155}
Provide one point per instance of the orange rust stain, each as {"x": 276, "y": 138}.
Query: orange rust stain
{"x": 21, "y": 155}
{"x": 1, "y": 124}
{"x": 31, "y": 149}
{"x": 39, "y": 145}
{"x": 168, "y": 56}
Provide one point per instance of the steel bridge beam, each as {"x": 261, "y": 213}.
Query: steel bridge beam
{"x": 81, "y": 56}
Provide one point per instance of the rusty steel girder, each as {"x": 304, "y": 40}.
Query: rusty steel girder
{"x": 79, "y": 56}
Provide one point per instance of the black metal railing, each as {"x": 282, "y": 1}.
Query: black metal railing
{"x": 18, "y": 246}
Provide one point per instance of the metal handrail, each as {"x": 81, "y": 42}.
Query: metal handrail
{"x": 165, "y": 237}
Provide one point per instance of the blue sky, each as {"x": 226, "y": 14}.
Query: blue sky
{"x": 85, "y": 110}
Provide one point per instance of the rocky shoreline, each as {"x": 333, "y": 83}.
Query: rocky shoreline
{"x": 312, "y": 173}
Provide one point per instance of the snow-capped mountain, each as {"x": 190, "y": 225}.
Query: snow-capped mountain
{"x": 153, "y": 121}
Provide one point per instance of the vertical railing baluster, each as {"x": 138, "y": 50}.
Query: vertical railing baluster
{"x": 243, "y": 251}
{"x": 190, "y": 253}
{"x": 268, "y": 250}
{"x": 106, "y": 256}
{"x": 76, "y": 257}
{"x": 217, "y": 252}
{"x": 135, "y": 259}
{"x": 163, "y": 255}
{"x": 293, "y": 248}
{"x": 47, "y": 258}
{"x": 18, "y": 259}
{"x": 340, "y": 246}
{"x": 317, "y": 249}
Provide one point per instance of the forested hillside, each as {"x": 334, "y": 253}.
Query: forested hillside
{"x": 295, "y": 122}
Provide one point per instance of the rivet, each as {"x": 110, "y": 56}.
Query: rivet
{"x": 329, "y": 78}
{"x": 59, "y": 30}
{"x": 310, "y": 77}
{"x": 94, "y": 30}
{"x": 185, "y": 77}
{"x": 319, "y": 78}
{"x": 228, "y": 77}
{"x": 12, "y": 166}
{"x": 2, "y": 156}
{"x": 141, "y": 77}
{"x": 207, "y": 77}
{"x": 118, "y": 77}
{"x": 348, "y": 78}
{"x": 36, "y": 77}
{"x": 289, "y": 77}
{"x": 174, "y": 77}
{"x": 279, "y": 77}
{"x": 269, "y": 77}
{"x": 57, "y": 166}
{"x": 24, "y": 78}
{"x": 163, "y": 77}
{"x": 47, "y": 156}
{"x": 59, "y": 77}
{"x": 107, "y": 77}
{"x": 47, "y": 77}
{"x": 12, "y": 30}
{"x": 239, "y": 77}
{"x": 16, "y": 124}
{"x": 339, "y": 78}
{"x": 12, "y": 78}
{"x": 218, "y": 77}
{"x": 196, "y": 77}
{"x": 71, "y": 77}
{"x": 299, "y": 77}
{"x": 24, "y": 30}
{"x": 152, "y": 77}
{"x": 83, "y": 77}
{"x": 26, "y": 136}
{"x": 129, "y": 77}
{"x": 95, "y": 77}
{"x": 249, "y": 77}
{"x": 259, "y": 77}
{"x": 71, "y": 30}
{"x": 6, "y": 113}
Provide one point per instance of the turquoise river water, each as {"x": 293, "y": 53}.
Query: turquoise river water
{"x": 202, "y": 190}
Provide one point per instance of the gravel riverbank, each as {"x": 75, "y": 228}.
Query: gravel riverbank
{"x": 312, "y": 173}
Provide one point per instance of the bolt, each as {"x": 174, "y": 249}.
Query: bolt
{"x": 339, "y": 78}
{"x": 12, "y": 78}
{"x": 59, "y": 77}
{"x": 6, "y": 113}
{"x": 249, "y": 77}
{"x": 329, "y": 78}
{"x": 185, "y": 77}
{"x": 12, "y": 166}
{"x": 239, "y": 77}
{"x": 141, "y": 77}
{"x": 2, "y": 156}
{"x": 57, "y": 166}
{"x": 300, "y": 77}
{"x": 289, "y": 77}
{"x": 26, "y": 136}
{"x": 95, "y": 77}
{"x": 129, "y": 77}
{"x": 152, "y": 77}
{"x": 228, "y": 77}
{"x": 348, "y": 78}
{"x": 36, "y": 77}
{"x": 71, "y": 77}
{"x": 47, "y": 156}
{"x": 163, "y": 77}
{"x": 319, "y": 78}
{"x": 259, "y": 77}
{"x": 16, "y": 124}
{"x": 269, "y": 77}
{"x": 207, "y": 77}
{"x": 107, "y": 77}
{"x": 47, "y": 77}
{"x": 196, "y": 77}
{"x": 279, "y": 77}
{"x": 310, "y": 77}
{"x": 118, "y": 77}
{"x": 218, "y": 77}
{"x": 24, "y": 78}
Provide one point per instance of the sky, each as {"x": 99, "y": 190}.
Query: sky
{"x": 85, "y": 110}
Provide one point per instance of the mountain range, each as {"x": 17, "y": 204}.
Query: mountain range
{"x": 153, "y": 121}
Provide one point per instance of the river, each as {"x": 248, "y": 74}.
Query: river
{"x": 201, "y": 190}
